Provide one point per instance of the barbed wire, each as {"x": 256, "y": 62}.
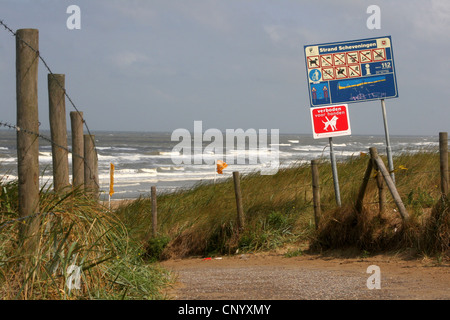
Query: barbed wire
{"x": 18, "y": 129}
{"x": 51, "y": 73}
{"x": 14, "y": 127}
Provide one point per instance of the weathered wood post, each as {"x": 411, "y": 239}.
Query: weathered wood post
{"x": 154, "y": 212}
{"x": 381, "y": 193}
{"x": 91, "y": 181}
{"x": 27, "y": 60}
{"x": 443, "y": 157}
{"x": 362, "y": 189}
{"x": 76, "y": 120}
{"x": 58, "y": 131}
{"x": 239, "y": 205}
{"x": 390, "y": 183}
{"x": 380, "y": 183}
{"x": 316, "y": 192}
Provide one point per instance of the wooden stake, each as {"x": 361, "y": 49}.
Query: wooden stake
{"x": 239, "y": 206}
{"x": 91, "y": 182}
{"x": 362, "y": 189}
{"x": 443, "y": 157}
{"x": 380, "y": 185}
{"x": 76, "y": 120}
{"x": 58, "y": 130}
{"x": 27, "y": 61}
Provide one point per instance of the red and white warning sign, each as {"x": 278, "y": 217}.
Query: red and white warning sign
{"x": 313, "y": 62}
{"x": 379, "y": 54}
{"x": 341, "y": 72}
{"x": 354, "y": 71}
{"x": 326, "y": 60}
{"x": 328, "y": 73}
{"x": 339, "y": 59}
{"x": 330, "y": 121}
{"x": 365, "y": 56}
{"x": 352, "y": 57}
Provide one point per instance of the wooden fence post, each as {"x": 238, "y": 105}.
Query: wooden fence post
{"x": 76, "y": 120}
{"x": 390, "y": 183}
{"x": 316, "y": 192}
{"x": 443, "y": 157}
{"x": 380, "y": 182}
{"x": 58, "y": 131}
{"x": 362, "y": 189}
{"x": 27, "y": 61}
{"x": 91, "y": 182}
{"x": 239, "y": 206}
{"x": 154, "y": 212}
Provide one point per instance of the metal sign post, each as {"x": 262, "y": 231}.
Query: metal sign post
{"x": 337, "y": 192}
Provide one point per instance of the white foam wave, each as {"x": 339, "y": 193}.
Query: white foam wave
{"x": 116, "y": 148}
{"x": 169, "y": 153}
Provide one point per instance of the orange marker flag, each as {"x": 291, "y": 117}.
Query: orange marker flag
{"x": 220, "y": 166}
{"x": 111, "y": 180}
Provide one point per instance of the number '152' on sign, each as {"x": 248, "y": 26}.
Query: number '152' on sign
{"x": 330, "y": 121}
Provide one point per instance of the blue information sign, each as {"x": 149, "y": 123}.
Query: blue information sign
{"x": 350, "y": 71}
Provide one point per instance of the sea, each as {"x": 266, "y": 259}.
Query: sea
{"x": 145, "y": 159}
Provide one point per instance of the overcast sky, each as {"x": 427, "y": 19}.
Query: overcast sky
{"x": 158, "y": 65}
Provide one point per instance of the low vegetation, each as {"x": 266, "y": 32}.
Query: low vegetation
{"x": 279, "y": 212}
{"x": 74, "y": 232}
{"x": 117, "y": 251}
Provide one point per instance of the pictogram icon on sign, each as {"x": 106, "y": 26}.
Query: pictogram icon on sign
{"x": 379, "y": 54}
{"x": 315, "y": 75}
{"x": 330, "y": 123}
{"x": 352, "y": 58}
{"x": 354, "y": 71}
{"x": 365, "y": 56}
{"x": 313, "y": 62}
{"x": 314, "y": 93}
{"x": 328, "y": 73}
{"x": 341, "y": 72}
{"x": 325, "y": 92}
{"x": 339, "y": 59}
{"x": 326, "y": 60}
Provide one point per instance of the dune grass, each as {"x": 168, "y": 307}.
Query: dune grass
{"x": 74, "y": 231}
{"x": 279, "y": 212}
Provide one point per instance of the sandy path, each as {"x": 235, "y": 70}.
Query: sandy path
{"x": 274, "y": 277}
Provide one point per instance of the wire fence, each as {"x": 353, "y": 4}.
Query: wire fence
{"x": 14, "y": 34}
{"x": 38, "y": 135}
{"x": 58, "y": 83}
